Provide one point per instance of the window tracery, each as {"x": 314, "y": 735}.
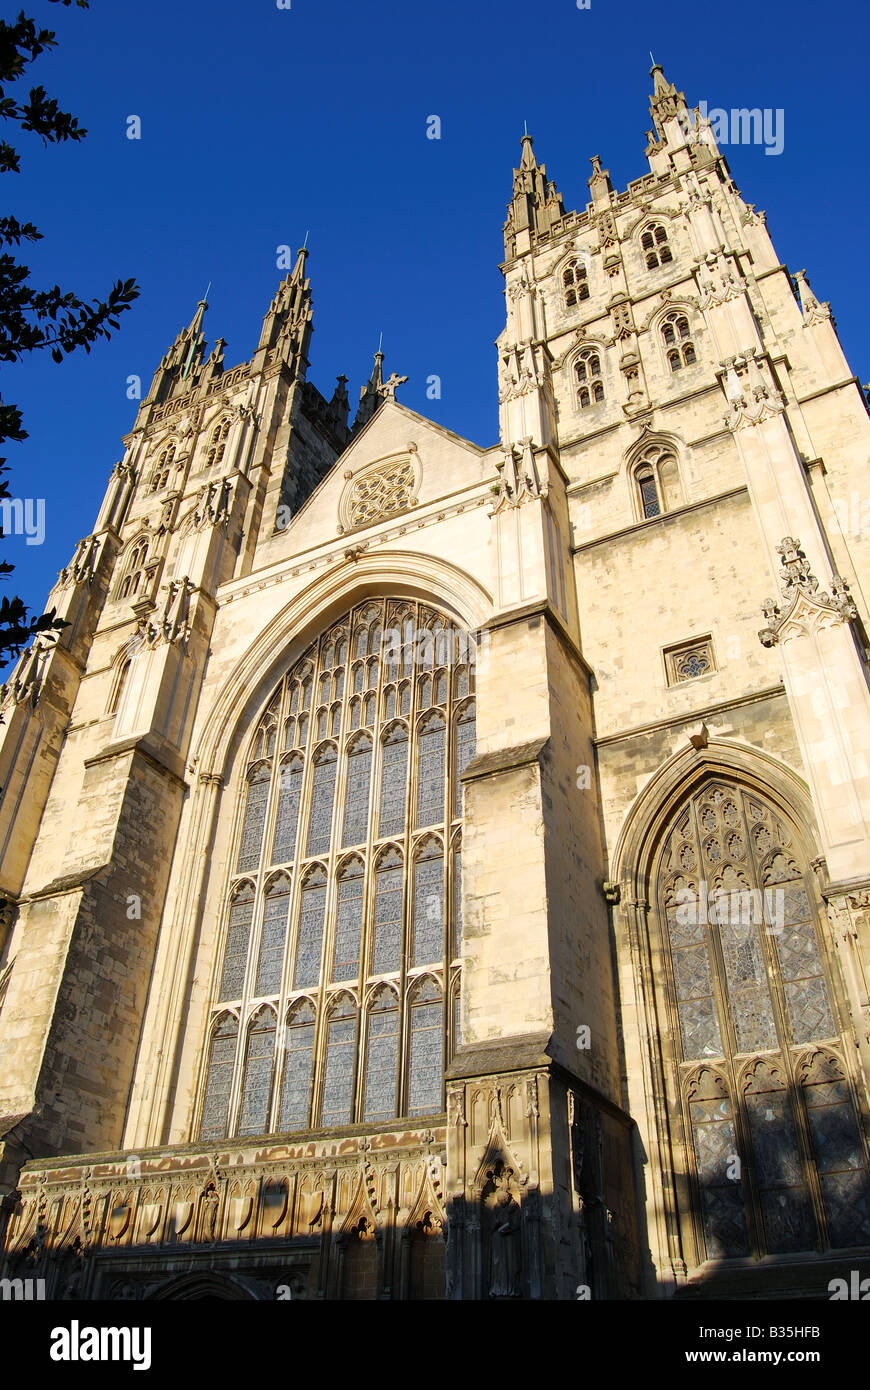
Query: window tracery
{"x": 655, "y": 246}
{"x": 657, "y": 481}
{"x": 133, "y": 581}
{"x": 347, "y": 873}
{"x": 575, "y": 282}
{"x": 777, "y": 1156}
{"x": 677, "y": 338}
{"x": 590, "y": 383}
{"x": 218, "y": 442}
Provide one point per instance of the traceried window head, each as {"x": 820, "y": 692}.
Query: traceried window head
{"x": 757, "y": 1073}
{"x": 337, "y": 978}
{"x": 657, "y": 481}
{"x": 677, "y": 338}
{"x": 133, "y": 580}
{"x": 217, "y": 442}
{"x": 655, "y": 247}
{"x": 163, "y": 468}
{"x": 575, "y": 283}
{"x": 590, "y": 384}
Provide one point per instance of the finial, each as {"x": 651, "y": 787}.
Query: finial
{"x": 381, "y": 341}
{"x": 305, "y": 242}
{"x": 204, "y": 299}
{"x": 525, "y": 128}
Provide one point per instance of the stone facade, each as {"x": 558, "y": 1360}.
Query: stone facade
{"x": 638, "y": 1097}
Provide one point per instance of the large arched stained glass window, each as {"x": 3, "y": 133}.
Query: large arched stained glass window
{"x": 343, "y": 915}
{"x": 777, "y": 1162}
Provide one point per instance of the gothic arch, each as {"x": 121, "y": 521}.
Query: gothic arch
{"x": 717, "y": 1045}
{"x": 287, "y": 636}
{"x": 674, "y": 781}
{"x": 670, "y": 216}
{"x": 217, "y": 756}
{"x": 191, "y": 1287}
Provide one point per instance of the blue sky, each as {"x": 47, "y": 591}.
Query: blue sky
{"x": 260, "y": 123}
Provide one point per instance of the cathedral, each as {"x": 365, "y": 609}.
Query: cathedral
{"x": 442, "y": 871}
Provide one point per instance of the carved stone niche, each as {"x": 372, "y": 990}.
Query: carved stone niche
{"x": 501, "y": 1233}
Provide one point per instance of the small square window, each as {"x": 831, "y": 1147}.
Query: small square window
{"x": 689, "y": 660}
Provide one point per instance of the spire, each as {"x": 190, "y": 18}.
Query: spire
{"x": 666, "y": 103}
{"x": 338, "y": 407}
{"x": 180, "y": 367}
{"x": 287, "y": 323}
{"x": 536, "y": 205}
{"x": 371, "y": 395}
{"x": 599, "y": 184}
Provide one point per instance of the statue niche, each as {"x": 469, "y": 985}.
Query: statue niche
{"x": 502, "y": 1223}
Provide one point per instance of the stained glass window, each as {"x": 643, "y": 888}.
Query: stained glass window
{"x": 839, "y": 1153}
{"x": 715, "y": 1147}
{"x": 255, "y": 819}
{"x": 427, "y": 944}
{"x": 465, "y": 744}
{"x": 427, "y": 1043}
{"x": 356, "y": 796}
{"x": 382, "y": 1056}
{"x": 289, "y": 799}
{"x": 322, "y": 797}
{"x": 257, "y": 1078}
{"x": 348, "y": 921}
{"x": 219, "y": 1076}
{"x": 457, "y": 902}
{"x": 430, "y": 771}
{"x": 298, "y": 1059}
{"x": 340, "y": 726}
{"x": 748, "y": 977}
{"x": 387, "y": 946}
{"x": 337, "y": 1107}
{"x": 309, "y": 944}
{"x": 236, "y": 949}
{"x": 273, "y": 937}
{"x": 394, "y": 782}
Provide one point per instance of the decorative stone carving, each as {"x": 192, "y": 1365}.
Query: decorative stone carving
{"x": 752, "y": 398}
{"x": 621, "y": 321}
{"x": 519, "y": 374}
{"x": 806, "y": 608}
{"x": 388, "y": 389}
{"x": 376, "y": 492}
{"x": 518, "y": 478}
{"x": 751, "y": 218}
{"x": 173, "y": 625}
{"x": 813, "y": 311}
{"x": 25, "y": 683}
{"x": 212, "y": 506}
{"x": 83, "y": 565}
{"x": 504, "y": 1222}
{"x": 718, "y": 280}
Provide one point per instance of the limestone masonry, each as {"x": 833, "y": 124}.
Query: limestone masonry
{"x": 434, "y": 871}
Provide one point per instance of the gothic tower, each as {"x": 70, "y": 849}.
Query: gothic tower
{"x": 443, "y": 871}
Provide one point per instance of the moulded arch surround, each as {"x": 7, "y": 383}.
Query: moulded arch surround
{"x": 670, "y": 217}
{"x": 588, "y": 345}
{"x": 670, "y": 786}
{"x": 285, "y": 638}
{"x": 650, "y": 439}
